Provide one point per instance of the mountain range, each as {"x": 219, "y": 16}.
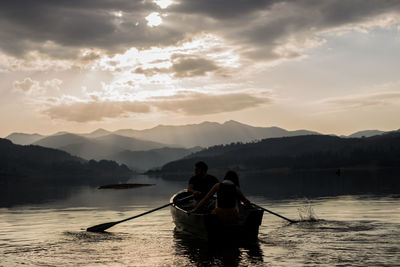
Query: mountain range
{"x": 209, "y": 133}
{"x": 151, "y": 148}
{"x": 298, "y": 152}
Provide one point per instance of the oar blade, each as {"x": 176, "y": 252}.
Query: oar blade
{"x": 101, "y": 227}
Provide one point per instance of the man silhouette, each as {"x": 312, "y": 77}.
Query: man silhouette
{"x": 201, "y": 182}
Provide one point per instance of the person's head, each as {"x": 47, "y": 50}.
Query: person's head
{"x": 232, "y": 176}
{"x": 200, "y": 168}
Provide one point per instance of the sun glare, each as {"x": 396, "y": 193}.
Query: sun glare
{"x": 154, "y": 19}
{"x": 163, "y": 3}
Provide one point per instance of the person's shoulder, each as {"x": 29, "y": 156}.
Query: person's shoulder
{"x": 212, "y": 177}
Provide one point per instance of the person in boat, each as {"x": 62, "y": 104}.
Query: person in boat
{"x": 229, "y": 196}
{"x": 201, "y": 183}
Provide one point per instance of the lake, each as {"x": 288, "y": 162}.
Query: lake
{"x": 357, "y": 229}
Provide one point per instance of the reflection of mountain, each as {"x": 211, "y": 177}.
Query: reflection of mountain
{"x": 300, "y": 152}
{"x": 35, "y": 165}
{"x": 144, "y": 160}
{"x": 209, "y": 133}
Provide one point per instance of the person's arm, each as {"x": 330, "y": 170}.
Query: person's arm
{"x": 206, "y": 198}
{"x": 191, "y": 189}
{"x": 242, "y": 197}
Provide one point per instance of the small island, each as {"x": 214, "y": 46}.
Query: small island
{"x": 123, "y": 186}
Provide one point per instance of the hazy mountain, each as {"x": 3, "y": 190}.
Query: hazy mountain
{"x": 97, "y": 133}
{"x": 299, "y": 152}
{"x": 24, "y": 139}
{"x": 209, "y": 133}
{"x": 145, "y": 160}
{"x": 95, "y": 148}
{"x": 366, "y": 133}
{"x": 60, "y": 139}
{"x": 204, "y": 134}
{"x": 128, "y": 143}
{"x": 35, "y": 165}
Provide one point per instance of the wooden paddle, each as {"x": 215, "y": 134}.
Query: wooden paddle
{"x": 276, "y": 214}
{"x": 104, "y": 226}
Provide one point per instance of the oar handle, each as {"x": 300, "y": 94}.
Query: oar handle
{"x": 276, "y": 214}
{"x": 144, "y": 213}
{"x": 104, "y": 226}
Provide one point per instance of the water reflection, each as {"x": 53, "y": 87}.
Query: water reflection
{"x": 292, "y": 185}
{"x": 203, "y": 253}
{"x": 332, "y": 243}
{"x": 351, "y": 231}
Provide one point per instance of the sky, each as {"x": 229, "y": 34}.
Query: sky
{"x": 330, "y": 66}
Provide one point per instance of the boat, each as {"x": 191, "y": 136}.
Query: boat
{"x": 206, "y": 226}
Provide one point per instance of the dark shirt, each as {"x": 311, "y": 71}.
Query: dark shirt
{"x": 227, "y": 196}
{"x": 203, "y": 184}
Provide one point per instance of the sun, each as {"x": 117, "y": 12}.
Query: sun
{"x": 154, "y": 19}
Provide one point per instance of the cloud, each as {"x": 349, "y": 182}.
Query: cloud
{"x": 188, "y": 103}
{"x": 184, "y": 67}
{"x": 103, "y": 24}
{"x": 95, "y": 110}
{"x": 222, "y": 10}
{"x": 366, "y": 100}
{"x": 202, "y": 104}
{"x": 53, "y": 84}
{"x": 30, "y": 86}
{"x": 262, "y": 30}
{"x": 25, "y": 85}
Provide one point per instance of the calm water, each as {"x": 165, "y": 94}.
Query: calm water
{"x": 358, "y": 230}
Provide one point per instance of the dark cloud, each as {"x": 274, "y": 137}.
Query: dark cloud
{"x": 25, "y": 25}
{"x": 221, "y": 9}
{"x": 300, "y": 20}
{"x": 184, "y": 67}
{"x": 152, "y": 71}
{"x": 257, "y": 27}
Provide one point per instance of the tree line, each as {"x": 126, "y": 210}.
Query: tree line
{"x": 299, "y": 153}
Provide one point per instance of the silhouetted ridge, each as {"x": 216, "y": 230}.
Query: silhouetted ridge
{"x": 39, "y": 165}
{"x": 300, "y": 152}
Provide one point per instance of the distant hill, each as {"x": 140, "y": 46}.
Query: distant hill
{"x": 60, "y": 140}
{"x": 366, "y": 133}
{"x": 209, "y": 133}
{"x": 145, "y": 160}
{"x": 97, "y": 133}
{"x": 35, "y": 165}
{"x": 299, "y": 152}
{"x": 96, "y": 147}
{"x": 24, "y": 139}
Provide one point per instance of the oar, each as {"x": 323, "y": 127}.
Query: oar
{"x": 276, "y": 214}
{"x": 102, "y": 227}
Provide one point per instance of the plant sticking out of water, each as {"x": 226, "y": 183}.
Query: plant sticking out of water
{"x": 306, "y": 213}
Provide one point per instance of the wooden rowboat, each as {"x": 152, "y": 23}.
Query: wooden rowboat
{"x": 207, "y": 226}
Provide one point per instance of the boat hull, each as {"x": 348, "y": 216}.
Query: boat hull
{"x": 207, "y": 226}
